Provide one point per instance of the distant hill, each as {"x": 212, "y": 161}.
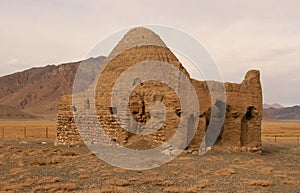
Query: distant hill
{"x": 7, "y": 112}
{"x": 286, "y": 113}
{"x": 274, "y": 105}
{"x": 37, "y": 91}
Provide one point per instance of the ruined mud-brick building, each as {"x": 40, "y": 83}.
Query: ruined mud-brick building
{"x": 243, "y": 106}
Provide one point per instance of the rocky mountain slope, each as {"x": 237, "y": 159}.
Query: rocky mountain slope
{"x": 8, "y": 112}
{"x": 37, "y": 91}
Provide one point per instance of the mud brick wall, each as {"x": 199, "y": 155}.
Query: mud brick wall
{"x": 241, "y": 128}
{"x": 67, "y": 133}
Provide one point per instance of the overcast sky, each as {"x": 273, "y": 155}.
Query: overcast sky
{"x": 240, "y": 35}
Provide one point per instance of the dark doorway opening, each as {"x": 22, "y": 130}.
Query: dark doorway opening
{"x": 244, "y": 125}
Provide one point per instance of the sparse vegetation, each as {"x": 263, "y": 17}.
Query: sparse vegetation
{"x": 45, "y": 168}
{"x": 27, "y": 165}
{"x": 225, "y": 172}
{"x": 263, "y": 183}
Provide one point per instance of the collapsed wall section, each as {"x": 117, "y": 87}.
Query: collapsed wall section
{"x": 241, "y": 128}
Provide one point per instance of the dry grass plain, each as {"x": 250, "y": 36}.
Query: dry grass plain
{"x": 26, "y": 165}
{"x": 285, "y": 131}
{"x": 34, "y": 129}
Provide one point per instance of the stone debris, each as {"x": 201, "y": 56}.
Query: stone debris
{"x": 23, "y": 142}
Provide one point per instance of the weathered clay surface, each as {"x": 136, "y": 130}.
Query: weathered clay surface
{"x": 241, "y": 128}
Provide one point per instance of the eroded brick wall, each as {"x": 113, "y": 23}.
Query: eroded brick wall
{"x": 242, "y": 126}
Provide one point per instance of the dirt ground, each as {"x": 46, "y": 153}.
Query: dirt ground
{"x": 27, "y": 165}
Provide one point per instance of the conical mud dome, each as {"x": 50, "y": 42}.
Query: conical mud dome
{"x": 135, "y": 37}
{"x": 139, "y": 46}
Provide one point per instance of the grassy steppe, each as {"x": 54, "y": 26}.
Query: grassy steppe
{"x": 285, "y": 131}
{"x": 34, "y": 129}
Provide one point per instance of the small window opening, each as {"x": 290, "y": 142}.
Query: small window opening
{"x": 113, "y": 110}
{"x": 74, "y": 108}
{"x": 249, "y": 113}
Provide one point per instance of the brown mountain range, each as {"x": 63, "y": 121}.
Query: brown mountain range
{"x": 11, "y": 113}
{"x": 285, "y": 113}
{"x": 37, "y": 91}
